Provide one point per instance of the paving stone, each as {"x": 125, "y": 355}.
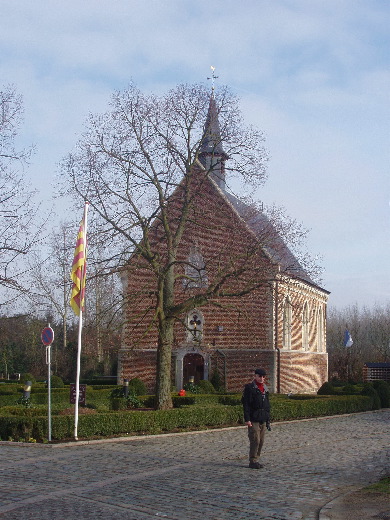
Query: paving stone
{"x": 200, "y": 476}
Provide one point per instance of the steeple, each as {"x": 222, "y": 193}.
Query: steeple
{"x": 212, "y": 155}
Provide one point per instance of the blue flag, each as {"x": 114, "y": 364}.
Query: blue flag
{"x": 347, "y": 339}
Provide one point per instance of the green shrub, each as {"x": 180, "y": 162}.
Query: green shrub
{"x": 117, "y": 392}
{"x": 8, "y": 390}
{"x": 114, "y": 423}
{"x": 56, "y": 382}
{"x": 8, "y": 400}
{"x": 287, "y": 409}
{"x": 182, "y": 400}
{"x": 350, "y": 389}
{"x": 27, "y": 377}
{"x": 383, "y": 389}
{"x": 24, "y": 401}
{"x": 137, "y": 387}
{"x": 370, "y": 391}
{"x": 19, "y": 411}
{"x": 62, "y": 395}
{"x": 206, "y": 387}
{"x": 99, "y": 381}
{"x": 103, "y": 387}
{"x": 336, "y": 382}
{"x": 230, "y": 400}
{"x": 118, "y": 401}
{"x": 193, "y": 389}
{"x": 302, "y": 397}
{"x": 28, "y": 425}
{"x": 326, "y": 389}
{"x": 149, "y": 401}
{"x": 216, "y": 381}
{"x": 201, "y": 399}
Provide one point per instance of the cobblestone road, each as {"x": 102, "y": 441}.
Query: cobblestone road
{"x": 197, "y": 475}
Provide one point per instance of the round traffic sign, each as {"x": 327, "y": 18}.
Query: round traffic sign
{"x": 47, "y": 336}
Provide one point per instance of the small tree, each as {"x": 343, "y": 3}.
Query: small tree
{"x": 18, "y": 216}
{"x": 370, "y": 329}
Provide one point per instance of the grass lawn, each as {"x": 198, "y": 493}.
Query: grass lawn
{"x": 383, "y": 486}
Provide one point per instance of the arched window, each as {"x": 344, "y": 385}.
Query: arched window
{"x": 305, "y": 327}
{"x": 195, "y": 270}
{"x": 320, "y": 330}
{"x": 287, "y": 319}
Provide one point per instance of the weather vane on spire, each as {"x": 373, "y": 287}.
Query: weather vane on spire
{"x": 213, "y": 78}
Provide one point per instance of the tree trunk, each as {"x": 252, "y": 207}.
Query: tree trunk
{"x": 164, "y": 356}
{"x": 165, "y": 338}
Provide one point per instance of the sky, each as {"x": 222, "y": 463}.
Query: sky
{"x": 313, "y": 75}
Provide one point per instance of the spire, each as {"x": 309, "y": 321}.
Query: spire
{"x": 212, "y": 155}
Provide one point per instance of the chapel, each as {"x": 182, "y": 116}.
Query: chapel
{"x": 279, "y": 324}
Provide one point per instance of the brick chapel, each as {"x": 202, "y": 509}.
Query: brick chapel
{"x": 280, "y": 324}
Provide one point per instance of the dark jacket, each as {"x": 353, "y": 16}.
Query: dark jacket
{"x": 256, "y": 404}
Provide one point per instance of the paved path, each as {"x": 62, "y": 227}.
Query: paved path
{"x": 197, "y": 476}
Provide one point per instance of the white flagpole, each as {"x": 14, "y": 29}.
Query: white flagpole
{"x": 76, "y": 408}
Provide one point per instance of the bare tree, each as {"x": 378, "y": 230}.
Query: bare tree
{"x": 378, "y": 332}
{"x": 50, "y": 281}
{"x": 20, "y": 346}
{"x": 18, "y": 226}
{"x": 142, "y": 166}
{"x": 370, "y": 330}
{"x": 51, "y": 288}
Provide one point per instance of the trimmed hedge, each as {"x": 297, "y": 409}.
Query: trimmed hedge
{"x": 370, "y": 391}
{"x": 383, "y": 390}
{"x": 197, "y": 416}
{"x": 8, "y": 390}
{"x": 284, "y": 410}
{"x": 116, "y": 423}
{"x": 59, "y": 396}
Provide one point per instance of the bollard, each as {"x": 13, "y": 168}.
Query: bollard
{"x": 126, "y": 387}
{"x": 27, "y": 389}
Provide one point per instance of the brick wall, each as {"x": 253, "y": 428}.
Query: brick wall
{"x": 302, "y": 372}
{"x": 238, "y": 367}
{"x": 140, "y": 364}
{"x": 246, "y": 329}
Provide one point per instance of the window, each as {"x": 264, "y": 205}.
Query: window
{"x": 194, "y": 270}
{"x": 287, "y": 315}
{"x": 305, "y": 327}
{"x": 320, "y": 330}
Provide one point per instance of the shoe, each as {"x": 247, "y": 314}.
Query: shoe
{"x": 255, "y": 465}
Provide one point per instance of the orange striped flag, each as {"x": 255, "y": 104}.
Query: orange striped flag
{"x": 78, "y": 274}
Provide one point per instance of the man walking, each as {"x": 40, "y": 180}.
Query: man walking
{"x": 257, "y": 408}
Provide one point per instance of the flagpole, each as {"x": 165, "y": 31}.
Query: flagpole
{"x": 76, "y": 408}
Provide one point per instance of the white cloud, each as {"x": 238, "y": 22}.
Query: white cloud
{"x": 313, "y": 75}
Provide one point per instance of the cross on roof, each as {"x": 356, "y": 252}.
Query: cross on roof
{"x": 213, "y": 78}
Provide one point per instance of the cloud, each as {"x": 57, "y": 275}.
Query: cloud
{"x": 314, "y": 76}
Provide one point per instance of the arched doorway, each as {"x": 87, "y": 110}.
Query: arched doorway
{"x": 193, "y": 366}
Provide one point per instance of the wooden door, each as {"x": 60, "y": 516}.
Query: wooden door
{"x": 193, "y": 366}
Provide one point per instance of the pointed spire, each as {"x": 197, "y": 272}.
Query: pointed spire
{"x": 212, "y": 155}
{"x": 211, "y": 142}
